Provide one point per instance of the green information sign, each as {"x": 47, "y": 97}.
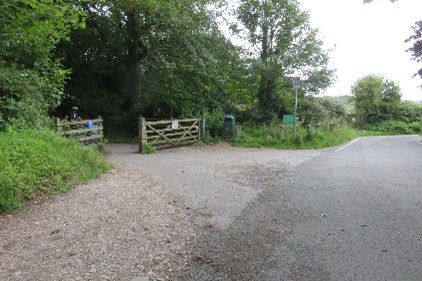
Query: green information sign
{"x": 289, "y": 120}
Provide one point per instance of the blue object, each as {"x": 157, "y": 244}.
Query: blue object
{"x": 90, "y": 125}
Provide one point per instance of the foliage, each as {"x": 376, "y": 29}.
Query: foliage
{"x": 269, "y": 136}
{"x": 395, "y": 127}
{"x": 152, "y": 58}
{"x": 149, "y": 149}
{"x": 31, "y": 80}
{"x": 26, "y": 96}
{"x": 214, "y": 121}
{"x": 408, "y": 112}
{"x": 416, "y": 49}
{"x": 281, "y": 42}
{"x": 320, "y": 111}
{"x": 375, "y": 98}
{"x": 344, "y": 101}
{"x": 33, "y": 162}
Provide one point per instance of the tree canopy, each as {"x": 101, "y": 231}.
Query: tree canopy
{"x": 416, "y": 49}
{"x": 125, "y": 58}
{"x": 375, "y": 98}
{"x": 282, "y": 42}
{"x": 31, "y": 79}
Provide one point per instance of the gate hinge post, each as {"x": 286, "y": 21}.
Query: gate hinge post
{"x": 142, "y": 134}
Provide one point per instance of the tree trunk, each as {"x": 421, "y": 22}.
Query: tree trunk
{"x": 267, "y": 87}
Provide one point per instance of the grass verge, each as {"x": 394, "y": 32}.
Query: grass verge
{"x": 270, "y": 136}
{"x": 34, "y": 162}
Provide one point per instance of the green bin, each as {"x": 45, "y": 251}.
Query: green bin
{"x": 229, "y": 126}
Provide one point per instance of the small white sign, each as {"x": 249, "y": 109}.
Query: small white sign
{"x": 175, "y": 125}
{"x": 296, "y": 82}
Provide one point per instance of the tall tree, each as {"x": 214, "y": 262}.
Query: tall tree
{"x": 280, "y": 37}
{"x": 375, "y": 98}
{"x": 158, "y": 58}
{"x": 416, "y": 49}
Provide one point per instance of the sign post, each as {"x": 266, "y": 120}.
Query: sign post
{"x": 296, "y": 84}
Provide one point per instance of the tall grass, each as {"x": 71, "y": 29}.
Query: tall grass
{"x": 33, "y": 162}
{"x": 269, "y": 136}
{"x": 395, "y": 127}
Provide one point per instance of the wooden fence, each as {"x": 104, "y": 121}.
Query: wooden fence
{"x": 169, "y": 132}
{"x": 85, "y": 131}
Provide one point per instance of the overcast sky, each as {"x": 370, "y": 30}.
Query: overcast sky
{"x": 369, "y": 39}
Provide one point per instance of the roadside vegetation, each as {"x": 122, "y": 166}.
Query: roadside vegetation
{"x": 271, "y": 136}
{"x": 35, "y": 162}
{"x": 330, "y": 121}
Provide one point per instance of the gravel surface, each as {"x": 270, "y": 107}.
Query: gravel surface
{"x": 235, "y": 194}
{"x": 145, "y": 218}
{"x": 217, "y": 181}
{"x": 121, "y": 226}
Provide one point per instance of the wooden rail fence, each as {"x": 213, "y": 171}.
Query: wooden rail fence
{"x": 85, "y": 131}
{"x": 169, "y": 132}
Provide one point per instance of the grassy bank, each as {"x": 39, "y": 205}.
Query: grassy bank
{"x": 269, "y": 136}
{"x": 35, "y": 162}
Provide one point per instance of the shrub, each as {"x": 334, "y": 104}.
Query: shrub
{"x": 214, "y": 121}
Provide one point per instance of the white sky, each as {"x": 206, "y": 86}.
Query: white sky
{"x": 369, "y": 39}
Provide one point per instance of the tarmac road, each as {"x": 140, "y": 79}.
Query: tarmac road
{"x": 362, "y": 213}
{"x": 348, "y": 213}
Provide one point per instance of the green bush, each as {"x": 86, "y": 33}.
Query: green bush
{"x": 26, "y": 97}
{"x": 214, "y": 121}
{"x": 39, "y": 161}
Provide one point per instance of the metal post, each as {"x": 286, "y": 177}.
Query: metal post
{"x": 296, "y": 84}
{"x": 295, "y": 109}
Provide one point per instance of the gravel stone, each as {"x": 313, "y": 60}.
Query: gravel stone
{"x": 118, "y": 227}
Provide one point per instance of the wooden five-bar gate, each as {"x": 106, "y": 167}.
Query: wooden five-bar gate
{"x": 169, "y": 132}
{"x": 87, "y": 132}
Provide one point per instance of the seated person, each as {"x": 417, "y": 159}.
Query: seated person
{"x": 73, "y": 115}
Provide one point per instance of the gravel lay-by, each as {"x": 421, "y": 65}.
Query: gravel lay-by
{"x": 118, "y": 227}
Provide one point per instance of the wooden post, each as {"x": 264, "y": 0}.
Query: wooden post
{"x": 142, "y": 134}
{"x": 238, "y": 130}
{"x": 199, "y": 129}
{"x": 282, "y": 132}
{"x": 58, "y": 129}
